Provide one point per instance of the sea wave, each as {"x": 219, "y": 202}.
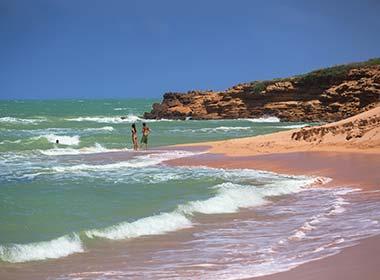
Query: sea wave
{"x": 63, "y": 139}
{"x": 13, "y": 120}
{"x": 212, "y": 129}
{"x": 137, "y": 162}
{"x": 292, "y": 126}
{"x": 221, "y": 128}
{"x": 115, "y": 119}
{"x": 262, "y": 120}
{"x": 153, "y": 225}
{"x": 104, "y": 128}
{"x": 10, "y": 142}
{"x": 97, "y": 148}
{"x": 53, "y": 249}
{"x": 225, "y": 128}
{"x": 229, "y": 198}
{"x": 99, "y": 119}
{"x": 334, "y": 209}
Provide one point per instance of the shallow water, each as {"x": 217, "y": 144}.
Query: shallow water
{"x": 90, "y": 208}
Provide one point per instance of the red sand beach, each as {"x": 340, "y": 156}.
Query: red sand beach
{"x": 347, "y": 151}
{"x": 350, "y": 169}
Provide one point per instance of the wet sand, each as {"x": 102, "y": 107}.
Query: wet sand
{"x": 350, "y": 169}
{"x": 361, "y": 261}
{"x": 358, "y": 170}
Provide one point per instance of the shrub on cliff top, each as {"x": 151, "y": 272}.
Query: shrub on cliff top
{"x": 321, "y": 78}
{"x": 324, "y": 77}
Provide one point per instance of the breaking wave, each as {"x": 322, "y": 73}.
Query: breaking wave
{"x": 263, "y": 120}
{"x": 13, "y": 120}
{"x": 63, "y": 140}
{"x": 104, "y": 128}
{"x": 224, "y": 128}
{"x": 293, "y": 126}
{"x": 229, "y": 198}
{"x": 10, "y": 141}
{"x": 53, "y": 249}
{"x": 153, "y": 225}
{"x": 137, "y": 162}
{"x": 115, "y": 119}
{"x": 86, "y": 150}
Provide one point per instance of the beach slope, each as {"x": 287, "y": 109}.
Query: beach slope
{"x": 346, "y": 151}
{"x": 360, "y": 133}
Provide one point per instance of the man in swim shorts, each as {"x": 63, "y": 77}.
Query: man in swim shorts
{"x": 145, "y": 133}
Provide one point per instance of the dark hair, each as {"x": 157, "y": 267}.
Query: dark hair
{"x": 134, "y": 126}
{"x": 144, "y": 124}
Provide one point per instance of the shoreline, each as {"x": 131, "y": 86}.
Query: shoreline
{"x": 366, "y": 251}
{"x": 357, "y": 134}
{"x": 356, "y": 170}
{"x": 360, "y": 261}
{"x": 347, "y": 151}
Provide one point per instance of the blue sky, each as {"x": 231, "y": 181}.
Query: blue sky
{"x": 124, "y": 49}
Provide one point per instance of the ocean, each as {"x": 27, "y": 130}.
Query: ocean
{"x": 92, "y": 208}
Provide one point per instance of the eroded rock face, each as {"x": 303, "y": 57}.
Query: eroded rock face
{"x": 323, "y": 98}
{"x": 349, "y": 130}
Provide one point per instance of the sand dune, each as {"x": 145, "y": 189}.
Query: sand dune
{"x": 360, "y": 133}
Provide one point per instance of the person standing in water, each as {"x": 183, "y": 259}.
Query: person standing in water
{"x": 145, "y": 133}
{"x": 134, "y": 137}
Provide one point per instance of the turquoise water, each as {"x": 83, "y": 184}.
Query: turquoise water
{"x": 34, "y": 125}
{"x": 61, "y": 200}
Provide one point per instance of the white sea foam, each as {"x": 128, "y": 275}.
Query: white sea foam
{"x": 10, "y": 142}
{"x": 104, "y": 128}
{"x": 212, "y": 129}
{"x": 114, "y": 120}
{"x": 229, "y": 199}
{"x": 292, "y": 126}
{"x": 137, "y": 162}
{"x": 85, "y": 150}
{"x": 20, "y": 120}
{"x": 63, "y": 139}
{"x": 53, "y": 249}
{"x": 120, "y": 109}
{"x": 262, "y": 120}
{"x": 223, "y": 128}
{"x": 337, "y": 207}
{"x": 153, "y": 225}
{"x": 98, "y": 119}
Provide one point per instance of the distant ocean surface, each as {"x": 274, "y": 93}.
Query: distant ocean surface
{"x": 91, "y": 208}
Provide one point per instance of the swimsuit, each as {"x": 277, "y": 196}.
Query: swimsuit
{"x": 144, "y": 138}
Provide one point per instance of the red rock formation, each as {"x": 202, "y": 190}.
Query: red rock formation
{"x": 325, "y": 95}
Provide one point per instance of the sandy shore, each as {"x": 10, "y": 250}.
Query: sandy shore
{"x": 358, "y": 134}
{"x": 347, "y": 151}
{"x": 358, "y": 262}
{"x": 358, "y": 170}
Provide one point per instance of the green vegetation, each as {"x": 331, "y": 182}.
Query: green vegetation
{"x": 320, "y": 78}
{"x": 325, "y": 76}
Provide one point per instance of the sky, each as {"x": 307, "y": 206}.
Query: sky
{"x": 142, "y": 49}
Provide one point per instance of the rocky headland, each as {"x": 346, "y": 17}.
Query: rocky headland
{"x": 324, "y": 95}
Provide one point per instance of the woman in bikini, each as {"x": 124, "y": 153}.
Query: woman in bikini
{"x": 134, "y": 137}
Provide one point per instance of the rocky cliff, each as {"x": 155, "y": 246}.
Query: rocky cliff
{"x": 328, "y": 94}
